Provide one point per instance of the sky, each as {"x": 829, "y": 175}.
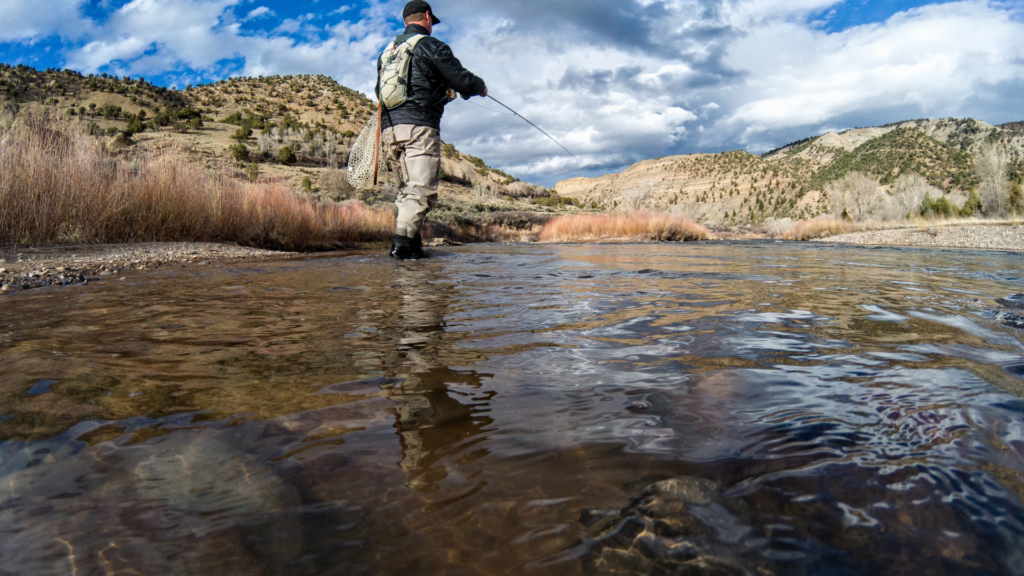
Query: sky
{"x": 615, "y": 81}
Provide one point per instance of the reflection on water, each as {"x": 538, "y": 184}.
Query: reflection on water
{"x": 727, "y": 409}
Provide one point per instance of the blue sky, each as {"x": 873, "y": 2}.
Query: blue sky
{"x": 615, "y": 80}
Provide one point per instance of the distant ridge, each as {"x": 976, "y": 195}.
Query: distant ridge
{"x": 737, "y": 188}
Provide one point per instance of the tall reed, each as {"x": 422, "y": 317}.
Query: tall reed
{"x": 58, "y": 186}
{"x": 641, "y": 225}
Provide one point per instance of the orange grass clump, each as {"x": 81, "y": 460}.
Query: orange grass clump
{"x": 819, "y": 228}
{"x": 635, "y": 226}
{"x": 58, "y": 186}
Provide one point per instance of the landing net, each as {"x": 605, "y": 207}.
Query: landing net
{"x": 360, "y": 160}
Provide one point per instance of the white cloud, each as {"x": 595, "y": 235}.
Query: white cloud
{"x": 27, "y": 20}
{"x": 261, "y": 12}
{"x": 931, "y": 59}
{"x": 663, "y": 77}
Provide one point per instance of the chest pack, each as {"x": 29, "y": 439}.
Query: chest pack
{"x": 393, "y": 83}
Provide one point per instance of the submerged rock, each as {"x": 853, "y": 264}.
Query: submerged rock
{"x": 184, "y": 503}
{"x": 1005, "y": 318}
{"x": 679, "y": 526}
{"x": 1015, "y": 301}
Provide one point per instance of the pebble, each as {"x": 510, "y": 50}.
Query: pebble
{"x": 58, "y": 265}
{"x": 987, "y": 237}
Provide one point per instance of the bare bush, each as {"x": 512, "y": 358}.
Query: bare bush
{"x": 905, "y": 197}
{"x": 993, "y": 188}
{"x": 639, "y": 197}
{"x": 776, "y": 228}
{"x": 856, "y": 194}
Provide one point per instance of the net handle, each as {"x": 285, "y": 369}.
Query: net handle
{"x": 376, "y": 147}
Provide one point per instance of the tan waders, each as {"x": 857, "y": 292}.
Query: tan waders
{"x": 417, "y": 149}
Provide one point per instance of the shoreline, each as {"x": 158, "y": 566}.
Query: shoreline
{"x": 974, "y": 236}
{"x": 27, "y": 267}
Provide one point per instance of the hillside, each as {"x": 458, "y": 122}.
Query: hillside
{"x": 737, "y": 188}
{"x": 242, "y": 124}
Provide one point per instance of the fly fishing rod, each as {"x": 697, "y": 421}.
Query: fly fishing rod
{"x": 541, "y": 131}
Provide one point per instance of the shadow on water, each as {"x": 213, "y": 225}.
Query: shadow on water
{"x": 706, "y": 409}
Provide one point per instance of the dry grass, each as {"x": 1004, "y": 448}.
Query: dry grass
{"x": 58, "y": 186}
{"x": 474, "y": 232}
{"x": 820, "y": 228}
{"x": 635, "y": 226}
{"x": 832, "y": 226}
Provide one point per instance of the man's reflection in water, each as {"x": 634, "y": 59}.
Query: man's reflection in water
{"x": 432, "y": 424}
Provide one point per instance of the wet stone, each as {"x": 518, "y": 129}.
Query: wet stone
{"x": 1015, "y": 301}
{"x": 678, "y": 526}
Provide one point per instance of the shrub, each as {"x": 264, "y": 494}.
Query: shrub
{"x": 307, "y": 184}
{"x": 938, "y": 208}
{"x": 239, "y": 151}
{"x": 252, "y": 172}
{"x": 195, "y": 123}
{"x": 286, "y": 156}
{"x": 972, "y": 207}
{"x": 242, "y": 134}
{"x": 134, "y": 127}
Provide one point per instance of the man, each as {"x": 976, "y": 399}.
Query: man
{"x": 412, "y": 131}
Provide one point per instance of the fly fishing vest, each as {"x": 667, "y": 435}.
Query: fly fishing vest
{"x": 393, "y": 83}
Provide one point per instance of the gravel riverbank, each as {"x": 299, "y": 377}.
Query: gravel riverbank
{"x": 979, "y": 237}
{"x": 23, "y": 268}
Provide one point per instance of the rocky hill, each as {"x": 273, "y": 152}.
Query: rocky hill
{"x": 243, "y": 125}
{"x": 789, "y": 183}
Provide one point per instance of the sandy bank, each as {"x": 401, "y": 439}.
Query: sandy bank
{"x": 31, "y": 267}
{"x": 973, "y": 236}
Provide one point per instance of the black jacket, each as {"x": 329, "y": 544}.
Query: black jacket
{"x": 434, "y": 70}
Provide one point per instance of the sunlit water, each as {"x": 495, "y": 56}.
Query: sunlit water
{"x": 504, "y": 409}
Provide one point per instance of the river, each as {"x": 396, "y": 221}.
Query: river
{"x": 703, "y": 408}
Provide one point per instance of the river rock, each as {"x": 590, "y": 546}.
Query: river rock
{"x": 184, "y": 503}
{"x": 1015, "y": 301}
{"x": 679, "y": 526}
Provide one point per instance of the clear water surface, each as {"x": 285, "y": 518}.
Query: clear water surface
{"x": 507, "y": 409}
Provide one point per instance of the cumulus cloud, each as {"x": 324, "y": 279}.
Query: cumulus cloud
{"x": 616, "y": 81}
{"x": 25, "y": 20}
{"x": 261, "y": 12}
{"x": 931, "y": 59}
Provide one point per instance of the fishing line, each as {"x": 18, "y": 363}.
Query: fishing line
{"x": 541, "y": 131}
{"x": 489, "y": 109}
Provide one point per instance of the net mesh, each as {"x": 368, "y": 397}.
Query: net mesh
{"x": 360, "y": 160}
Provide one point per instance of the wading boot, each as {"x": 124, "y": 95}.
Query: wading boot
{"x": 401, "y": 247}
{"x": 416, "y": 247}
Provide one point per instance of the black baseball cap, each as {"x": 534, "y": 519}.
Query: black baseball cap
{"x": 418, "y": 7}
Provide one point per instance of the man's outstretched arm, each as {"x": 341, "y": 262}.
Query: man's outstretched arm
{"x": 461, "y": 80}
